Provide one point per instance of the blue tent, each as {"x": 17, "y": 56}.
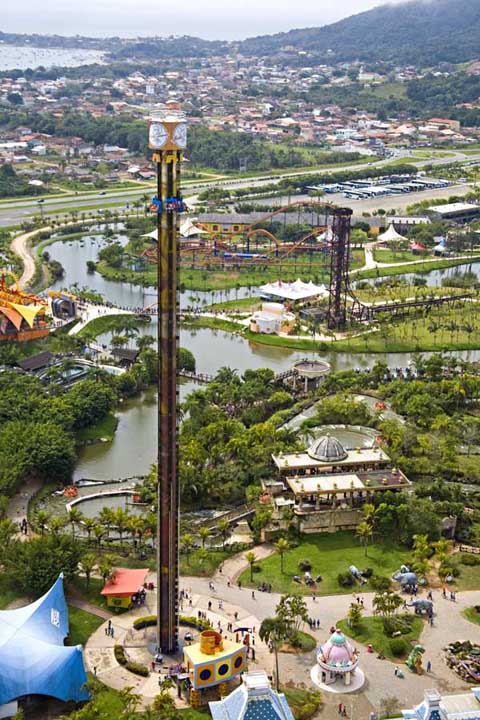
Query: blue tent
{"x": 33, "y": 658}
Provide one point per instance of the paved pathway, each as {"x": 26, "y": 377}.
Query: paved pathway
{"x": 21, "y": 247}
{"x": 89, "y": 312}
{"x": 380, "y": 679}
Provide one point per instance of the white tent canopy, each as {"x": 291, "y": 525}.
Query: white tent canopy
{"x": 390, "y": 234}
{"x": 297, "y": 290}
{"x": 187, "y": 229}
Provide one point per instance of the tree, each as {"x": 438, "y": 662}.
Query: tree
{"x": 274, "y": 631}
{"x": 34, "y": 565}
{"x": 386, "y": 604}
{"x": 105, "y": 566}
{"x": 364, "y": 533}
{"x": 87, "y": 563}
{"x": 204, "y": 533}
{"x": 187, "y": 545}
{"x": 281, "y": 546}
{"x": 293, "y": 610}
{"x": 355, "y": 615}
{"x": 224, "y": 530}
{"x": 75, "y": 517}
{"x": 251, "y": 558}
{"x": 41, "y": 520}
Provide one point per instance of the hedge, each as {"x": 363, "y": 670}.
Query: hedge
{"x": 121, "y": 658}
{"x": 189, "y": 621}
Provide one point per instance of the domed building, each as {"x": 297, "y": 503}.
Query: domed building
{"x": 337, "y": 664}
{"x": 328, "y": 483}
{"x": 327, "y": 449}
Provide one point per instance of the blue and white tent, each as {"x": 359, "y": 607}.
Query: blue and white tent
{"x": 33, "y": 658}
{"x": 254, "y": 699}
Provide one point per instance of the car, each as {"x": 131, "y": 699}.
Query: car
{"x": 42, "y": 200}
{"x": 104, "y": 192}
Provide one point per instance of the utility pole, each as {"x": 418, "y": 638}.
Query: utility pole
{"x": 167, "y": 137}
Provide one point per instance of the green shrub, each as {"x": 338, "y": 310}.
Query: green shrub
{"x": 380, "y": 583}
{"x": 471, "y": 560}
{"x": 400, "y": 623}
{"x": 137, "y": 668}
{"x": 345, "y": 579}
{"x": 119, "y": 653}
{"x": 146, "y": 621}
{"x": 305, "y": 565}
{"x": 194, "y": 622}
{"x": 256, "y": 569}
{"x": 399, "y": 647}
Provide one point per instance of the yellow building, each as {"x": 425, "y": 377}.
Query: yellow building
{"x": 213, "y": 660}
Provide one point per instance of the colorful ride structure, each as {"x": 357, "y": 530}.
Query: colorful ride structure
{"x": 22, "y": 315}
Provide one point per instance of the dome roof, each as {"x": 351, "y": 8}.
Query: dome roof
{"x": 327, "y": 449}
{"x": 337, "y": 651}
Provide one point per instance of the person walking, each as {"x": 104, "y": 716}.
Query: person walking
{"x": 429, "y": 666}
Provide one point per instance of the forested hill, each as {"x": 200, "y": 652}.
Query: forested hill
{"x": 421, "y": 33}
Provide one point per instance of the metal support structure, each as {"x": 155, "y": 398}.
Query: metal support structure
{"x": 168, "y": 181}
{"x": 339, "y": 264}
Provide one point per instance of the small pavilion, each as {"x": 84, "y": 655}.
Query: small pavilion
{"x": 123, "y": 585}
{"x": 337, "y": 665}
{"x": 390, "y": 235}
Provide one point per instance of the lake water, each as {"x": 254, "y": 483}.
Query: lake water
{"x": 23, "y": 57}
{"x": 134, "y": 446}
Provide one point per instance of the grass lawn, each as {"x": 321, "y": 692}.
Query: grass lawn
{"x": 106, "y": 323}
{"x": 105, "y": 429}
{"x": 330, "y": 554}
{"x": 469, "y": 578}
{"x": 92, "y": 593}
{"x": 370, "y": 631}
{"x": 472, "y": 615}
{"x": 390, "y": 256}
{"x": 307, "y": 644}
{"x": 402, "y": 292}
{"x": 197, "y": 566}
{"x": 82, "y": 625}
{"x": 417, "y": 267}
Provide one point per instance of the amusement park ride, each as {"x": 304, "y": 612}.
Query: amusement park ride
{"x": 22, "y": 315}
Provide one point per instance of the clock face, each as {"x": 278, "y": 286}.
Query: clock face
{"x": 180, "y": 135}
{"x": 158, "y": 135}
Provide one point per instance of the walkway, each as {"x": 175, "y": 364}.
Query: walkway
{"x": 21, "y": 246}
{"x": 372, "y": 264}
{"x": 380, "y": 679}
{"x": 89, "y": 312}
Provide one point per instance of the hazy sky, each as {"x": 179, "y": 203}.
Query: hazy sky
{"x": 228, "y": 19}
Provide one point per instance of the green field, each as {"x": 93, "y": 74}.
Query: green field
{"x": 200, "y": 566}
{"x": 82, "y": 625}
{"x": 370, "y": 631}
{"x": 329, "y": 554}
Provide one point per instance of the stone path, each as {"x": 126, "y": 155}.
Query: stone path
{"x": 380, "y": 679}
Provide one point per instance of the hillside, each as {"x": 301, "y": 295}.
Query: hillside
{"x": 421, "y": 32}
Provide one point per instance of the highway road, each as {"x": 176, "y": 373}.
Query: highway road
{"x": 17, "y": 211}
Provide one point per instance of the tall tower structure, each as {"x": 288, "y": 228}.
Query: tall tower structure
{"x": 339, "y": 264}
{"x": 167, "y": 137}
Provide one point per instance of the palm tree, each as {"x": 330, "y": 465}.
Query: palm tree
{"x": 87, "y": 563}
{"x": 224, "y": 529}
{"x": 105, "y": 566}
{"x": 251, "y": 558}
{"x": 41, "y": 520}
{"x": 282, "y": 547}
{"x": 187, "y": 545}
{"x": 204, "y": 534}
{"x": 99, "y": 531}
{"x": 364, "y": 532}
{"x": 274, "y": 632}
{"x": 8, "y": 530}
{"x": 57, "y": 524}
{"x": 144, "y": 341}
{"x": 121, "y": 520}
{"x": 106, "y": 518}
{"x": 88, "y": 525}
{"x": 75, "y": 517}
